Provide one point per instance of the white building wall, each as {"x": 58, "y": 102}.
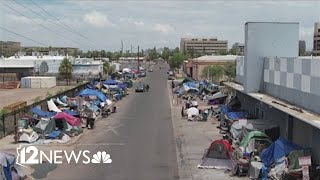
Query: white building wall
{"x": 266, "y": 39}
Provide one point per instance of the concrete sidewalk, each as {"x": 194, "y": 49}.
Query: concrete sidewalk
{"x": 192, "y": 138}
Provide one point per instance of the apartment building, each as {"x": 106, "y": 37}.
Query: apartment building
{"x": 203, "y": 45}
{"x": 316, "y": 39}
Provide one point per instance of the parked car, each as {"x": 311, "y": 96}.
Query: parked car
{"x": 140, "y": 88}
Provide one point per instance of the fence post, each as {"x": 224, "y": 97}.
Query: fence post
{"x": 3, "y": 126}
{"x": 15, "y": 128}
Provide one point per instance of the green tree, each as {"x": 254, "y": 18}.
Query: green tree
{"x": 108, "y": 68}
{"x": 230, "y": 70}
{"x": 166, "y": 53}
{"x": 103, "y": 53}
{"x": 110, "y": 55}
{"x": 153, "y": 53}
{"x": 176, "y": 50}
{"x": 214, "y": 73}
{"x": 176, "y": 60}
{"x": 65, "y": 70}
{"x": 222, "y": 52}
{"x": 233, "y": 51}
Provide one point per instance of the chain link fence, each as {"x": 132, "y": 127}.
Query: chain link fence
{"x": 8, "y": 121}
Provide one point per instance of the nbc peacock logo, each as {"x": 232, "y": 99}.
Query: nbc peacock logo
{"x": 101, "y": 157}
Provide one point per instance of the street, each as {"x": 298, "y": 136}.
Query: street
{"x": 139, "y": 139}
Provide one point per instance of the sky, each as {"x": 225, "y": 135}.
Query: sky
{"x": 98, "y": 24}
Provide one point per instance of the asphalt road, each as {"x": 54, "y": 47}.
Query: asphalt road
{"x": 139, "y": 139}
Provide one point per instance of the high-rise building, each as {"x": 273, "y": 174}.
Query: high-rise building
{"x": 203, "y": 45}
{"x": 302, "y": 47}
{"x": 316, "y": 39}
{"x": 9, "y": 48}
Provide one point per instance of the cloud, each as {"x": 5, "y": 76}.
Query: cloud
{"x": 138, "y": 23}
{"x": 131, "y": 20}
{"x": 163, "y": 28}
{"x": 97, "y": 19}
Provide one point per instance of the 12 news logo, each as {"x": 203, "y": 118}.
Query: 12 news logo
{"x": 31, "y": 155}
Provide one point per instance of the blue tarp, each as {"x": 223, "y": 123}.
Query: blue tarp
{"x": 72, "y": 113}
{"x": 54, "y": 134}
{"x": 236, "y": 115}
{"x": 41, "y": 113}
{"x": 225, "y": 109}
{"x": 122, "y": 86}
{"x": 278, "y": 149}
{"x": 179, "y": 91}
{"x": 91, "y": 92}
{"x": 64, "y": 99}
{"x": 191, "y": 84}
{"x": 110, "y": 82}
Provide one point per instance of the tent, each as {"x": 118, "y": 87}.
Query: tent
{"x": 217, "y": 156}
{"x": 250, "y": 140}
{"x": 192, "y": 112}
{"x": 7, "y": 162}
{"x": 110, "y": 82}
{"x": 73, "y": 121}
{"x": 278, "y": 149}
{"x": 236, "y": 115}
{"x": 52, "y": 106}
{"x": 29, "y": 137}
{"x": 90, "y": 92}
{"x": 44, "y": 126}
{"x": 126, "y": 70}
{"x": 72, "y": 113}
{"x": 41, "y": 113}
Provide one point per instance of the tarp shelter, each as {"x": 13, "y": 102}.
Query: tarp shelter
{"x": 91, "y": 92}
{"x": 126, "y": 70}
{"x": 44, "y": 126}
{"x": 110, "y": 82}
{"x": 72, "y": 113}
{"x": 236, "y": 115}
{"x": 122, "y": 86}
{"x": 248, "y": 141}
{"x": 73, "y": 121}
{"x": 217, "y": 156}
{"x": 7, "y": 161}
{"x": 186, "y": 80}
{"x": 278, "y": 149}
{"x": 52, "y": 106}
{"x": 190, "y": 89}
{"x": 41, "y": 113}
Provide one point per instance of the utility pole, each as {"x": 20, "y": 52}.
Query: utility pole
{"x": 131, "y": 50}
{"x": 121, "y": 47}
{"x": 138, "y": 60}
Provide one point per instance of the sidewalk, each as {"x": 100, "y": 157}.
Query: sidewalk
{"x": 192, "y": 138}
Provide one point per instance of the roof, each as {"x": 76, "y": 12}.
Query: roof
{"x": 217, "y": 58}
{"x": 35, "y": 58}
{"x": 307, "y": 116}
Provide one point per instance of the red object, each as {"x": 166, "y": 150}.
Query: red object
{"x": 73, "y": 121}
{"x": 226, "y": 145}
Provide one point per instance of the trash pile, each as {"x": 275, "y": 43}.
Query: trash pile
{"x": 65, "y": 117}
{"x": 252, "y": 147}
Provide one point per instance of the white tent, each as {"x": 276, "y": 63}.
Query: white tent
{"x": 192, "y": 112}
{"x": 52, "y": 106}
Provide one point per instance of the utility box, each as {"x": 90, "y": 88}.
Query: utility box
{"x": 38, "y": 82}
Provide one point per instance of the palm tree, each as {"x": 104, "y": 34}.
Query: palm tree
{"x": 108, "y": 68}
{"x": 65, "y": 69}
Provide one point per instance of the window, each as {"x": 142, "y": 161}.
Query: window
{"x": 259, "y": 113}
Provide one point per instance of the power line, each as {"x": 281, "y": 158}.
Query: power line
{"x": 39, "y": 23}
{"x": 23, "y": 36}
{"x": 65, "y": 25}
{"x": 39, "y": 14}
